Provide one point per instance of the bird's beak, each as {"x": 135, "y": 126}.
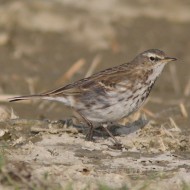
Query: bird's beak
{"x": 168, "y": 59}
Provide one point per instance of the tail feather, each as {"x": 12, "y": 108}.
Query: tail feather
{"x": 14, "y": 99}
{"x": 66, "y": 101}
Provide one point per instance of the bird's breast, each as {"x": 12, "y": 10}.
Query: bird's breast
{"x": 120, "y": 102}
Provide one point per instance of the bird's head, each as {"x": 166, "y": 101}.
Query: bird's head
{"x": 153, "y": 57}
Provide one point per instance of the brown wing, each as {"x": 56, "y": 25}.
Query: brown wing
{"x": 106, "y": 80}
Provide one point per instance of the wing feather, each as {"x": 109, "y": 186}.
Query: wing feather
{"x": 105, "y": 80}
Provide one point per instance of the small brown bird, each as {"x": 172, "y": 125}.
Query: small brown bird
{"x": 111, "y": 94}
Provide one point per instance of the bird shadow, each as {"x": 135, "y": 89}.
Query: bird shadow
{"x": 115, "y": 128}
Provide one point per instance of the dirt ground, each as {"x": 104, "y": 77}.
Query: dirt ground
{"x": 46, "y": 44}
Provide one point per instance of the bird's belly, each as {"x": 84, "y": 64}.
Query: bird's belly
{"x": 112, "y": 113}
{"x": 115, "y": 109}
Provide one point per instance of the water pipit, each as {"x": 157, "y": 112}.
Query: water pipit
{"x": 111, "y": 94}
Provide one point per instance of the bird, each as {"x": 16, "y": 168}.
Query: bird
{"x": 111, "y": 94}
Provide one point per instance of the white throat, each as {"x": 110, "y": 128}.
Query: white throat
{"x": 157, "y": 70}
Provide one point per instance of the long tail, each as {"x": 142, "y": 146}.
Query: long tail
{"x": 41, "y": 96}
{"x": 14, "y": 99}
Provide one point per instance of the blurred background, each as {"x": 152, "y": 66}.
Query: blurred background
{"x": 46, "y": 44}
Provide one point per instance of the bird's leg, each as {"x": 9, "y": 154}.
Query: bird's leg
{"x": 117, "y": 143}
{"x": 89, "y": 135}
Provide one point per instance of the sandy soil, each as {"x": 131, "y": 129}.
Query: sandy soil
{"x": 39, "y": 42}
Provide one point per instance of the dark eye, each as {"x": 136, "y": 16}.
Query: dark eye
{"x": 152, "y": 58}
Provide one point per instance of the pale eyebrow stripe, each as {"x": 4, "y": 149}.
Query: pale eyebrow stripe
{"x": 152, "y": 55}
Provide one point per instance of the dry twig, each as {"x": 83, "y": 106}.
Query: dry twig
{"x": 73, "y": 69}
{"x": 148, "y": 112}
{"x": 173, "y": 124}
{"x": 93, "y": 66}
{"x": 187, "y": 89}
{"x": 183, "y": 110}
{"x": 5, "y": 97}
{"x": 174, "y": 77}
